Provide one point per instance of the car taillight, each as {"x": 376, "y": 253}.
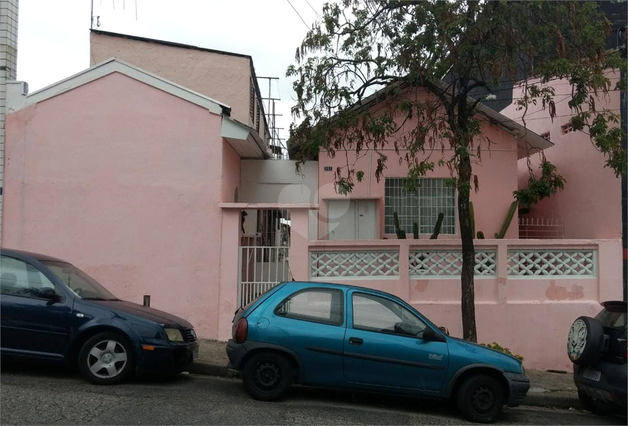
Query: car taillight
{"x": 241, "y": 331}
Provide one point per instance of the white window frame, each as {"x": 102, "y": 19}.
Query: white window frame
{"x": 408, "y": 227}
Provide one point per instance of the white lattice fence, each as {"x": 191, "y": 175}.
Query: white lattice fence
{"x": 522, "y": 262}
{"x": 377, "y": 264}
{"x": 448, "y": 263}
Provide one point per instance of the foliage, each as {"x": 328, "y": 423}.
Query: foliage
{"x": 506, "y": 224}
{"x": 437, "y": 226}
{"x": 548, "y": 184}
{"x": 497, "y": 347}
{"x": 397, "y": 79}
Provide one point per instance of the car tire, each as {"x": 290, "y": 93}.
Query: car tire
{"x": 480, "y": 398}
{"x": 584, "y": 341}
{"x": 106, "y": 358}
{"x": 267, "y": 376}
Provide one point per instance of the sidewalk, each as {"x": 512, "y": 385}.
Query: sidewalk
{"x": 546, "y": 389}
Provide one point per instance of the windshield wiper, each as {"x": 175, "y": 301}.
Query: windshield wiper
{"x": 98, "y": 298}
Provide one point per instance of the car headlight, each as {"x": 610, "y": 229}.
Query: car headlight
{"x": 174, "y": 334}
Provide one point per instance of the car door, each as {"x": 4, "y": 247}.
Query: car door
{"x": 383, "y": 346}
{"x": 31, "y": 324}
{"x": 311, "y": 323}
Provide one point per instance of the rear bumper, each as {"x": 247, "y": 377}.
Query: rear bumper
{"x": 236, "y": 353}
{"x": 168, "y": 359}
{"x": 518, "y": 386}
{"x": 611, "y": 388}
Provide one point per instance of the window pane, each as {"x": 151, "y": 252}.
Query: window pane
{"x": 381, "y": 315}
{"x": 314, "y": 305}
{"x": 20, "y": 278}
{"x": 422, "y": 205}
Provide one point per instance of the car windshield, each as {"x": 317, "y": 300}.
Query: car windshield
{"x": 81, "y": 284}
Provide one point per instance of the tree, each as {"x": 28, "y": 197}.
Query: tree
{"x": 369, "y": 53}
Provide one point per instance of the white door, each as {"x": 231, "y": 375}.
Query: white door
{"x": 351, "y": 219}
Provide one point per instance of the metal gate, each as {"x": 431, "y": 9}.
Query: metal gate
{"x": 264, "y": 256}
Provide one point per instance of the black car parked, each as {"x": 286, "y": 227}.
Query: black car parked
{"x": 597, "y": 347}
{"x": 52, "y": 310}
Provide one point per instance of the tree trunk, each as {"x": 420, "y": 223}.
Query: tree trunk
{"x": 468, "y": 251}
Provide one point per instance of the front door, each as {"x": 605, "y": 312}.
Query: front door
{"x": 31, "y": 325}
{"x": 383, "y": 346}
{"x": 351, "y": 219}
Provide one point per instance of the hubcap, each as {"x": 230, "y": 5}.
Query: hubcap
{"x": 267, "y": 375}
{"x": 577, "y": 339}
{"x": 107, "y": 359}
{"x": 482, "y": 399}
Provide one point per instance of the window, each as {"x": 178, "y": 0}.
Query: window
{"x": 22, "y": 279}
{"x": 421, "y": 205}
{"x": 566, "y": 128}
{"x": 316, "y": 305}
{"x": 373, "y": 313}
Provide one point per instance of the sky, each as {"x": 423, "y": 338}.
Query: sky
{"x": 53, "y": 35}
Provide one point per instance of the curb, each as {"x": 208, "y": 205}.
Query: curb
{"x": 548, "y": 400}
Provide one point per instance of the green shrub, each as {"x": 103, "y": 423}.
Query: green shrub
{"x": 497, "y": 347}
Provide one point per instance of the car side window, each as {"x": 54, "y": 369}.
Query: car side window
{"x": 381, "y": 315}
{"x": 314, "y": 305}
{"x": 20, "y": 278}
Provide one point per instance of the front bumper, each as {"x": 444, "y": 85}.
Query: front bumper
{"x": 518, "y": 385}
{"x": 610, "y": 388}
{"x": 168, "y": 358}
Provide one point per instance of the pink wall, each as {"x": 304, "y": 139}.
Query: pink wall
{"x": 225, "y": 78}
{"x": 530, "y": 315}
{"x": 127, "y": 191}
{"x": 231, "y": 173}
{"x": 497, "y": 175}
{"x": 590, "y": 205}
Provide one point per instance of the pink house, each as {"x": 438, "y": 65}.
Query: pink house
{"x": 132, "y": 171}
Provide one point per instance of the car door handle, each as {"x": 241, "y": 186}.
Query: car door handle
{"x": 355, "y": 341}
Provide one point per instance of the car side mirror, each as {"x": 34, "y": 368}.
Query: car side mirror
{"x": 49, "y": 294}
{"x": 430, "y": 335}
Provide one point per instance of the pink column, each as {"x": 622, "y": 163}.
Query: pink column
{"x": 229, "y": 262}
{"x": 299, "y": 255}
{"x": 404, "y": 270}
{"x": 609, "y": 270}
{"x": 502, "y": 271}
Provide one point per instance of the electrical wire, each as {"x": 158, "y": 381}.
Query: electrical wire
{"x": 297, "y": 12}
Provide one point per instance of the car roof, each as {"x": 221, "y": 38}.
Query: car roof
{"x": 29, "y": 255}
{"x": 306, "y": 284}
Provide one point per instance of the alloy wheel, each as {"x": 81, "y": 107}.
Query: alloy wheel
{"x": 107, "y": 359}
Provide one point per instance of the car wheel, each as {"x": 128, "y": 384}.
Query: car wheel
{"x": 267, "y": 376}
{"x": 584, "y": 341}
{"x": 480, "y": 398}
{"x": 105, "y": 358}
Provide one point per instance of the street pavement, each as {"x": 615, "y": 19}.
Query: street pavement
{"x": 42, "y": 394}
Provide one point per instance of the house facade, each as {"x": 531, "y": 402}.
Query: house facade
{"x": 139, "y": 174}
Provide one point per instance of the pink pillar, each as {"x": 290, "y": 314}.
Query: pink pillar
{"x": 609, "y": 270}
{"x": 404, "y": 269}
{"x": 502, "y": 271}
{"x": 229, "y": 262}
{"x": 299, "y": 254}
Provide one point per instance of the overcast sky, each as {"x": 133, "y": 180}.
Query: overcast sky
{"x": 53, "y": 35}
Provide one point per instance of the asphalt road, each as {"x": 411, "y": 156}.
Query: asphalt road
{"x": 33, "y": 394}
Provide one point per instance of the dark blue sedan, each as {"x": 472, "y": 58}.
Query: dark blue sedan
{"x": 52, "y": 310}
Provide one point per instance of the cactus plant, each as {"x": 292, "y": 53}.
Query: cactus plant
{"x": 507, "y": 220}
{"x": 415, "y": 230}
{"x": 439, "y": 223}
{"x": 472, "y": 218}
{"x": 480, "y": 235}
{"x": 401, "y": 234}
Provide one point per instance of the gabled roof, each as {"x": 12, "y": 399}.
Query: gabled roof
{"x": 528, "y": 142}
{"x": 114, "y": 65}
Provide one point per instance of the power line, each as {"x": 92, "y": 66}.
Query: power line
{"x": 308, "y": 3}
{"x": 297, "y": 12}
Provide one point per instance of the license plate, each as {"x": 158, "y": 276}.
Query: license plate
{"x": 195, "y": 353}
{"x": 592, "y": 374}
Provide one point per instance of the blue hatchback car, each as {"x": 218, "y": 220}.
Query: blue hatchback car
{"x": 354, "y": 338}
{"x": 51, "y": 310}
